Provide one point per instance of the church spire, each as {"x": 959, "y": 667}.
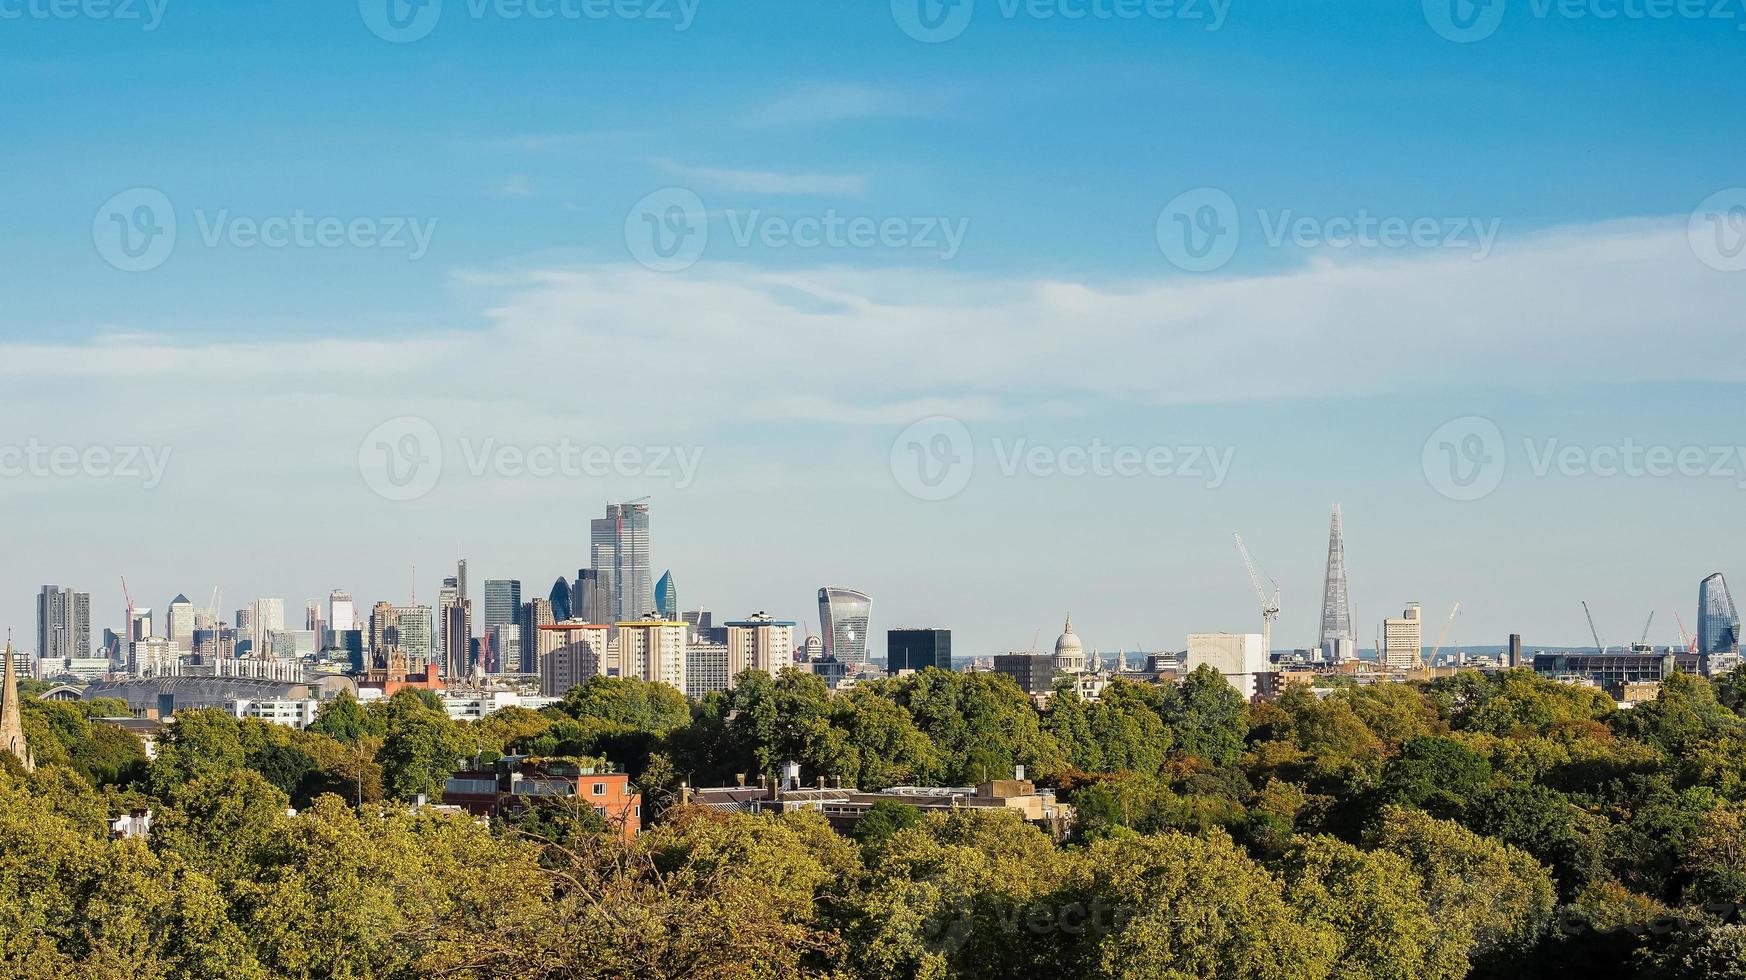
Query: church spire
{"x": 11, "y": 720}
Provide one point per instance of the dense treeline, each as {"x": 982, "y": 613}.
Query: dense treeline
{"x": 1477, "y": 826}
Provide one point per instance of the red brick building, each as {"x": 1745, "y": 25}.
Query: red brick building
{"x": 515, "y": 782}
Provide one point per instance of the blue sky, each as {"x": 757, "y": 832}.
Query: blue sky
{"x": 525, "y": 148}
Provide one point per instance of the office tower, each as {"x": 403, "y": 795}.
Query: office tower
{"x": 142, "y": 630}
{"x": 349, "y": 645}
{"x": 1339, "y": 636}
{"x": 706, "y": 668}
{"x": 447, "y": 596}
{"x": 1718, "y": 622}
{"x": 619, "y": 551}
{"x": 265, "y": 616}
{"x": 457, "y": 641}
{"x": 653, "y": 649}
{"x": 560, "y": 600}
{"x": 1238, "y": 656}
{"x": 500, "y": 648}
{"x": 12, "y": 717}
{"x": 575, "y": 652}
{"x": 461, "y": 580}
{"x": 1034, "y": 673}
{"x": 179, "y": 623}
{"x": 758, "y": 642}
{"x": 314, "y": 622}
{"x": 700, "y": 621}
{"x": 535, "y": 642}
{"x": 416, "y": 628}
{"x": 919, "y": 649}
{"x": 1513, "y": 655}
{"x": 1069, "y": 652}
{"x": 1402, "y": 646}
{"x": 666, "y": 597}
{"x": 384, "y": 629}
{"x": 586, "y": 601}
{"x": 63, "y": 624}
{"x": 502, "y": 601}
{"x": 342, "y": 612}
{"x": 843, "y": 614}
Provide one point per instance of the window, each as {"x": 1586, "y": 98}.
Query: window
{"x": 599, "y": 789}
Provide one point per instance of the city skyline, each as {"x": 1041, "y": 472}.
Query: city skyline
{"x": 1617, "y": 631}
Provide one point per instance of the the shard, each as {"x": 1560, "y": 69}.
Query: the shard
{"x": 1339, "y": 639}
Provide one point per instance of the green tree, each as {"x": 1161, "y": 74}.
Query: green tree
{"x": 1206, "y": 716}
{"x": 1374, "y": 906}
{"x": 422, "y": 750}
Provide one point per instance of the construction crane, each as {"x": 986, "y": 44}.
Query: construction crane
{"x": 127, "y": 629}
{"x": 1645, "y": 640}
{"x": 1269, "y": 604}
{"x": 1598, "y": 645}
{"x": 1690, "y": 645}
{"x": 1445, "y": 634}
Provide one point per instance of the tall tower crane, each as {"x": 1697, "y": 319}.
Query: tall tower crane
{"x": 127, "y": 629}
{"x": 1645, "y": 640}
{"x": 1445, "y": 633}
{"x": 1269, "y": 604}
{"x": 1599, "y": 647}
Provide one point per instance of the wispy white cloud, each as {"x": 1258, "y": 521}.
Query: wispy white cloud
{"x": 829, "y": 103}
{"x": 769, "y": 181}
{"x": 515, "y": 185}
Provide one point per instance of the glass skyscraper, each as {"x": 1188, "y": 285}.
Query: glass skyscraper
{"x": 1718, "y": 623}
{"x": 843, "y": 616}
{"x": 560, "y": 599}
{"x": 918, "y": 649}
{"x": 666, "y": 597}
{"x": 619, "y": 552}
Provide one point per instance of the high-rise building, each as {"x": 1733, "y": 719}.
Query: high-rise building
{"x": 535, "y": 642}
{"x": 619, "y": 551}
{"x": 759, "y": 642}
{"x": 265, "y": 616}
{"x": 63, "y": 624}
{"x": 560, "y": 600}
{"x": 588, "y": 601}
{"x": 457, "y": 641}
{"x": 706, "y": 668}
{"x": 577, "y": 651}
{"x": 1402, "y": 640}
{"x": 1513, "y": 654}
{"x": 919, "y": 649}
{"x": 342, "y": 612}
{"x": 1069, "y": 651}
{"x": 1718, "y": 623}
{"x": 415, "y": 628}
{"x": 666, "y": 597}
{"x": 1338, "y": 642}
{"x": 843, "y": 614}
{"x": 179, "y": 624}
{"x": 1238, "y": 656}
{"x": 502, "y": 601}
{"x": 653, "y": 649}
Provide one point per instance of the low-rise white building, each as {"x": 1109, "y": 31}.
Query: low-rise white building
{"x": 284, "y": 711}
